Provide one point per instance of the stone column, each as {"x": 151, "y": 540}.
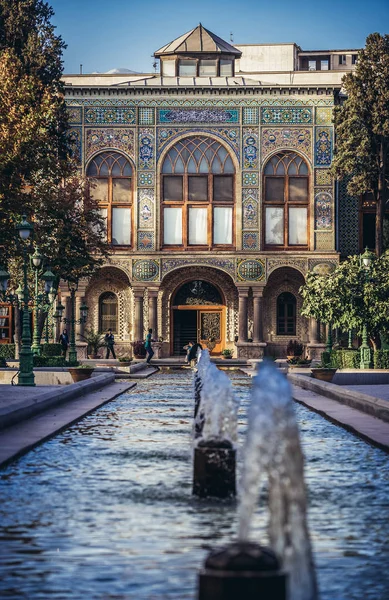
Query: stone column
{"x": 243, "y": 316}
{"x": 258, "y": 317}
{"x": 138, "y": 325}
{"x": 153, "y": 312}
{"x": 313, "y": 331}
{"x": 79, "y": 326}
{"x": 314, "y": 346}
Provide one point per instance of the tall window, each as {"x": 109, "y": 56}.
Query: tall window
{"x": 110, "y": 174}
{"x": 286, "y": 185}
{"x": 367, "y": 224}
{"x": 286, "y": 314}
{"x": 108, "y": 312}
{"x": 197, "y": 195}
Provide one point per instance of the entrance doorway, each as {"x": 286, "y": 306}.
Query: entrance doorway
{"x": 198, "y": 315}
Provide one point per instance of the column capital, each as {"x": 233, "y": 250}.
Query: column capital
{"x": 258, "y": 291}
{"x": 243, "y": 291}
{"x": 152, "y": 292}
{"x": 138, "y": 292}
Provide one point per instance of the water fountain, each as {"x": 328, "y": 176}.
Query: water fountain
{"x": 272, "y": 450}
{"x": 215, "y": 432}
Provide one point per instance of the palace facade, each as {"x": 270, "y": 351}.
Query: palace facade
{"x": 213, "y": 176}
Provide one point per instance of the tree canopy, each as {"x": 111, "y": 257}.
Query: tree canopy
{"x": 362, "y": 128}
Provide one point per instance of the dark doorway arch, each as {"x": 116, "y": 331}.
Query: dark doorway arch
{"x": 286, "y": 314}
{"x": 197, "y": 292}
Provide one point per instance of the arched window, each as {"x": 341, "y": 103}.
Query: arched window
{"x": 286, "y": 202}
{"x": 197, "y": 194}
{"x": 108, "y": 312}
{"x": 286, "y": 314}
{"x": 110, "y": 174}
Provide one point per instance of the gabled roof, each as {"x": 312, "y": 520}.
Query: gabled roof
{"x": 198, "y": 39}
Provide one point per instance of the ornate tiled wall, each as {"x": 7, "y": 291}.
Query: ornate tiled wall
{"x": 348, "y": 221}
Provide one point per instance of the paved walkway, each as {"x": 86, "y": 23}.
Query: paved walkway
{"x": 378, "y": 391}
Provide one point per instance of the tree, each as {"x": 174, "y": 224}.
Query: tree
{"x": 362, "y": 129}
{"x": 351, "y": 297}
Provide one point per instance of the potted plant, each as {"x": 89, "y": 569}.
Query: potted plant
{"x": 95, "y": 341}
{"x": 323, "y": 371}
{"x": 227, "y": 353}
{"x": 297, "y": 362}
{"x": 81, "y": 372}
{"x": 125, "y": 361}
{"x": 139, "y": 349}
{"x": 293, "y": 349}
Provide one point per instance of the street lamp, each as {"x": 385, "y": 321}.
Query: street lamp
{"x": 365, "y": 261}
{"x": 26, "y": 365}
{"x": 36, "y": 261}
{"x": 73, "y": 287}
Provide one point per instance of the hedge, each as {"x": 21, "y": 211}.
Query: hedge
{"x": 7, "y": 351}
{"x": 51, "y": 349}
{"x": 49, "y": 361}
{"x": 345, "y": 359}
{"x": 381, "y": 359}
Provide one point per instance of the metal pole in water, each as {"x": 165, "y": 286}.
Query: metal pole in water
{"x": 214, "y": 469}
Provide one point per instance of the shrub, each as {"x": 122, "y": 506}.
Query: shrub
{"x": 125, "y": 359}
{"x": 49, "y": 361}
{"x": 51, "y": 349}
{"x": 294, "y": 348}
{"x": 94, "y": 340}
{"x": 7, "y": 351}
{"x": 343, "y": 359}
{"x": 139, "y": 348}
{"x": 381, "y": 359}
{"x": 3, "y": 362}
{"x": 227, "y": 352}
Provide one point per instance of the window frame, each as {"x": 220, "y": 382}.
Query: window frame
{"x": 286, "y": 204}
{"x": 110, "y": 205}
{"x": 285, "y": 318}
{"x": 100, "y": 304}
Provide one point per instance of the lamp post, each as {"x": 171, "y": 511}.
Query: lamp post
{"x": 73, "y": 286}
{"x": 365, "y": 261}
{"x": 26, "y": 366}
{"x": 36, "y": 261}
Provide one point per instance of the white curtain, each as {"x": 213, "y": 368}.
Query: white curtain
{"x": 121, "y": 226}
{"x": 298, "y": 226}
{"x": 172, "y": 225}
{"x": 222, "y": 225}
{"x": 198, "y": 226}
{"x": 274, "y": 226}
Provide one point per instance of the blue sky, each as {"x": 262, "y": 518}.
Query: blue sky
{"x": 106, "y": 34}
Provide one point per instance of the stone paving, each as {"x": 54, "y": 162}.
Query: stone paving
{"x": 378, "y": 391}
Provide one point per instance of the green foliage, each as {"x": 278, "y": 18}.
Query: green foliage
{"x": 94, "y": 340}
{"x": 294, "y": 348}
{"x": 125, "y": 359}
{"x": 381, "y": 359}
{"x": 51, "y": 349}
{"x": 227, "y": 353}
{"x": 139, "y": 348}
{"x": 3, "y": 362}
{"x": 296, "y": 360}
{"x": 7, "y": 351}
{"x": 49, "y": 361}
{"x": 362, "y": 128}
{"x": 345, "y": 359}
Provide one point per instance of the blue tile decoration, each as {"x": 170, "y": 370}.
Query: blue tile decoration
{"x": 323, "y": 146}
{"x": 286, "y": 116}
{"x": 146, "y": 240}
{"x": 226, "y": 103}
{"x": 324, "y": 115}
{"x": 230, "y": 135}
{"x": 250, "y": 240}
{"x": 146, "y": 179}
{"x": 102, "y": 138}
{"x": 251, "y": 269}
{"x": 293, "y": 137}
{"x": 323, "y": 209}
{"x": 250, "y": 116}
{"x": 146, "y": 116}
{"x": 146, "y": 149}
{"x": 75, "y": 140}
{"x": 250, "y": 208}
{"x": 348, "y": 221}
{"x": 249, "y": 179}
{"x": 145, "y": 270}
{"x": 323, "y": 177}
{"x": 74, "y": 115}
{"x": 146, "y": 208}
{"x": 110, "y": 116}
{"x": 225, "y": 264}
{"x": 198, "y": 115}
{"x": 250, "y": 149}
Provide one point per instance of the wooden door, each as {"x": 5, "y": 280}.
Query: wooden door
{"x": 210, "y": 327}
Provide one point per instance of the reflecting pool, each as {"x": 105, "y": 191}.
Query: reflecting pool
{"x": 104, "y": 510}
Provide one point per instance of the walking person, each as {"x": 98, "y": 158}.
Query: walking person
{"x": 192, "y": 357}
{"x": 148, "y": 348}
{"x": 64, "y": 341}
{"x": 110, "y": 341}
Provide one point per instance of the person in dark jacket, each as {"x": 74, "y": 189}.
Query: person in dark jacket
{"x": 148, "y": 348}
{"x": 110, "y": 341}
{"x": 64, "y": 341}
{"x": 192, "y": 356}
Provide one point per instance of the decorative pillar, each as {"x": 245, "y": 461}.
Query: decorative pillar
{"x": 243, "y": 316}
{"x": 313, "y": 331}
{"x": 138, "y": 325}
{"x": 258, "y": 317}
{"x": 314, "y": 347}
{"x": 153, "y": 312}
{"x": 79, "y": 326}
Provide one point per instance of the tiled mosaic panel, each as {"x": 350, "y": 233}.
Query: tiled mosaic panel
{"x": 250, "y": 208}
{"x": 323, "y": 146}
{"x": 225, "y": 264}
{"x": 202, "y": 102}
{"x": 323, "y": 116}
{"x": 250, "y": 116}
{"x": 146, "y": 208}
{"x": 348, "y": 221}
{"x": 102, "y": 138}
{"x": 75, "y": 139}
{"x": 249, "y": 179}
{"x": 323, "y": 177}
{"x": 146, "y": 240}
{"x": 146, "y": 179}
{"x": 110, "y": 116}
{"x": 146, "y": 149}
{"x": 145, "y": 270}
{"x": 297, "y": 138}
{"x": 74, "y": 115}
{"x": 323, "y": 209}
{"x": 195, "y": 115}
{"x": 167, "y": 134}
{"x": 250, "y": 269}
{"x": 250, "y": 148}
{"x": 146, "y": 116}
{"x": 286, "y": 116}
{"x": 250, "y": 240}
{"x": 324, "y": 240}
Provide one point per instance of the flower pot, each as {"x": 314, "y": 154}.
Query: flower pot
{"x": 323, "y": 374}
{"x": 307, "y": 366}
{"x": 227, "y": 357}
{"x": 124, "y": 363}
{"x": 93, "y": 356}
{"x": 291, "y": 356}
{"x": 80, "y": 374}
